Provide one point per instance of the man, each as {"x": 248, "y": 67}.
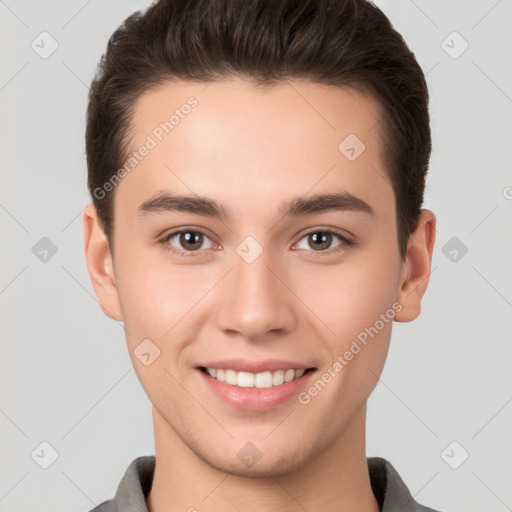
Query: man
{"x": 257, "y": 173}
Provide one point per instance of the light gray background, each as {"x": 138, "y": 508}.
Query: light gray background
{"x": 66, "y": 377}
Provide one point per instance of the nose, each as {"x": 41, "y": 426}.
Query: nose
{"x": 257, "y": 299}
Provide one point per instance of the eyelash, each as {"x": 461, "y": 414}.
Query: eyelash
{"x": 316, "y": 254}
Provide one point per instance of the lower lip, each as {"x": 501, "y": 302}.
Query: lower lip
{"x": 256, "y": 399}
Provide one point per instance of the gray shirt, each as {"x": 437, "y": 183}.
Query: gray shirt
{"x": 387, "y": 486}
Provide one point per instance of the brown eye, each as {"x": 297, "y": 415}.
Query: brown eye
{"x": 191, "y": 240}
{"x": 186, "y": 241}
{"x": 320, "y": 240}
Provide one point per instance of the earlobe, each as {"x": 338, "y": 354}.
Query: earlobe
{"x": 99, "y": 264}
{"x": 417, "y": 267}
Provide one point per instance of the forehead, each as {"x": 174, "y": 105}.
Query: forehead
{"x": 244, "y": 143}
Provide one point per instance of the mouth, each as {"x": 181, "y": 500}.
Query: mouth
{"x": 252, "y": 384}
{"x": 261, "y": 380}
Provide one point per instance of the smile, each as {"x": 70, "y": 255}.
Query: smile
{"x": 266, "y": 379}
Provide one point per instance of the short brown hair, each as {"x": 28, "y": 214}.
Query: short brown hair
{"x": 335, "y": 42}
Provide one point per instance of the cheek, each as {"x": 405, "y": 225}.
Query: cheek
{"x": 157, "y": 297}
{"x": 365, "y": 312}
{"x": 157, "y": 301}
{"x": 351, "y": 296}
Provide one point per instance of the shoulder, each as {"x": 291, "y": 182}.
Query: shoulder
{"x": 133, "y": 488}
{"x": 390, "y": 490}
{"x": 106, "y": 506}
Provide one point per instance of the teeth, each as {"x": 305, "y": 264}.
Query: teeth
{"x": 289, "y": 375}
{"x": 231, "y": 377}
{"x": 245, "y": 380}
{"x": 278, "y": 377}
{"x": 255, "y": 380}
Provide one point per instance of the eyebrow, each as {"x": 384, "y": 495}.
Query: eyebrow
{"x": 164, "y": 201}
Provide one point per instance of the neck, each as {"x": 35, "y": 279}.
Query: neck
{"x": 334, "y": 479}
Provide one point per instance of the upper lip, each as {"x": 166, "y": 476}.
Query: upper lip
{"x": 246, "y": 365}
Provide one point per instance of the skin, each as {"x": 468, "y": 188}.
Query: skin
{"x": 250, "y": 149}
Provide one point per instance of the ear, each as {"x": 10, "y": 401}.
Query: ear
{"x": 99, "y": 264}
{"x": 416, "y": 267}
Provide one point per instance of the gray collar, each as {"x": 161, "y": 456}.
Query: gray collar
{"x": 387, "y": 486}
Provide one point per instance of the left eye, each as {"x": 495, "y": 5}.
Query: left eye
{"x": 322, "y": 240}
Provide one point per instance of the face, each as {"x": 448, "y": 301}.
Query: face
{"x": 263, "y": 275}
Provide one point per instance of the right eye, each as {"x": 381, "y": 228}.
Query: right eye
{"x": 190, "y": 240}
